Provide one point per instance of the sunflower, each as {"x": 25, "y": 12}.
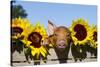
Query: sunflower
{"x": 33, "y": 40}
{"x": 40, "y": 29}
{"x": 80, "y": 31}
{"x": 26, "y": 35}
{"x": 19, "y": 27}
{"x": 94, "y": 36}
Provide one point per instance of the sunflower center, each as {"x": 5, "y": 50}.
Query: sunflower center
{"x": 81, "y": 32}
{"x": 36, "y": 45}
{"x": 95, "y": 36}
{"x": 35, "y": 38}
{"x": 16, "y": 30}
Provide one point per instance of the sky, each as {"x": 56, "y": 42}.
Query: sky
{"x": 59, "y": 14}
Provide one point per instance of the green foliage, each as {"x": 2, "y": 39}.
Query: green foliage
{"x": 17, "y": 11}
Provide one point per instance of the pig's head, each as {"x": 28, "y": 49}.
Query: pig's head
{"x": 59, "y": 36}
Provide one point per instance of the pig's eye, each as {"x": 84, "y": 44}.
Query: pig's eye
{"x": 55, "y": 34}
{"x": 68, "y": 34}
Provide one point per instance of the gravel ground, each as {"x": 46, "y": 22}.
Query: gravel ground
{"x": 21, "y": 57}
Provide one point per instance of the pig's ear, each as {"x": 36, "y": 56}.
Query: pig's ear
{"x": 51, "y": 27}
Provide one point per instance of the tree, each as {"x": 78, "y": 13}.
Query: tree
{"x": 17, "y": 11}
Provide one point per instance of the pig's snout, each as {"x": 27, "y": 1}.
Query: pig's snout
{"x": 61, "y": 44}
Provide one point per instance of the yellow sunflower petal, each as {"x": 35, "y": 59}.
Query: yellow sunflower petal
{"x": 43, "y": 54}
{"x": 33, "y": 52}
{"x": 38, "y": 52}
{"x": 43, "y": 49}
